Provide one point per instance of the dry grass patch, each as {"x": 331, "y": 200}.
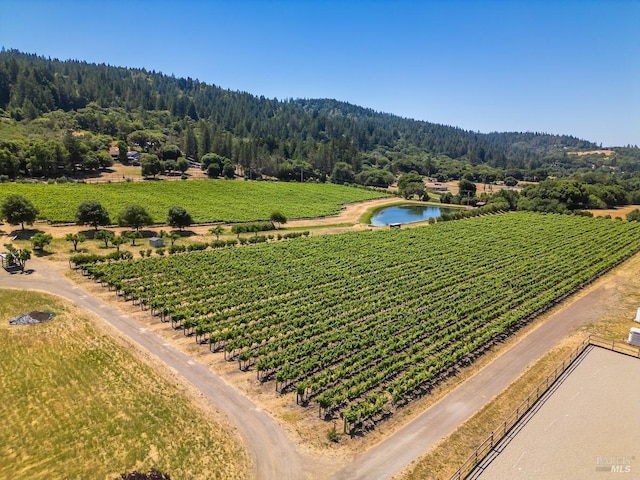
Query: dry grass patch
{"x": 77, "y": 404}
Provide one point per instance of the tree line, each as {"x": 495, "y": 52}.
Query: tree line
{"x": 295, "y": 140}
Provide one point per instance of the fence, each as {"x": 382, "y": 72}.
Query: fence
{"x": 490, "y": 442}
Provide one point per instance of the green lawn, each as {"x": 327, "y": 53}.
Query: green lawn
{"x": 77, "y": 405}
{"x": 206, "y": 200}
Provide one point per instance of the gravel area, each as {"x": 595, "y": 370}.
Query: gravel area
{"x": 586, "y": 427}
{"x": 31, "y": 318}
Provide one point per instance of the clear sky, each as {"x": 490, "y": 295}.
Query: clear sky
{"x": 566, "y": 66}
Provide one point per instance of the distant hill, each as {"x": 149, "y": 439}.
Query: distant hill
{"x": 264, "y": 136}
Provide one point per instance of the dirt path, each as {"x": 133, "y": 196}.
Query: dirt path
{"x": 274, "y": 455}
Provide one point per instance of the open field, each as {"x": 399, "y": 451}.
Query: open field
{"x": 586, "y": 427}
{"x": 333, "y": 349}
{"x": 78, "y": 404}
{"x": 205, "y": 200}
{"x": 606, "y": 153}
{"x": 620, "y": 212}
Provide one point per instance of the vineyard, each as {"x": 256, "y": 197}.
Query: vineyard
{"x": 364, "y": 322}
{"x": 207, "y": 200}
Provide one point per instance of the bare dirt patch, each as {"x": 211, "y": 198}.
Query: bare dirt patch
{"x": 606, "y": 153}
{"x": 620, "y": 212}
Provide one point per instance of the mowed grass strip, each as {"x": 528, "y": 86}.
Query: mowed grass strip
{"x": 76, "y": 405}
{"x": 205, "y": 200}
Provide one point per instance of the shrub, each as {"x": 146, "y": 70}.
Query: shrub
{"x": 197, "y": 246}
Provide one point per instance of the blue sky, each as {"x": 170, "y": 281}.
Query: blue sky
{"x": 566, "y": 67}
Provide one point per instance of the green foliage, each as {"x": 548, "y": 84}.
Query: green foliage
{"x": 105, "y": 236}
{"x": 178, "y": 217}
{"x": 91, "y": 212}
{"x": 278, "y": 217}
{"x": 217, "y": 231}
{"x": 134, "y": 216}
{"x": 634, "y": 215}
{"x": 50, "y": 100}
{"x": 17, "y": 256}
{"x": 554, "y": 196}
{"x": 18, "y": 210}
{"x": 377, "y": 337}
{"x": 117, "y": 241}
{"x": 75, "y": 239}
{"x": 133, "y": 236}
{"x": 251, "y": 227}
{"x": 229, "y": 171}
{"x": 170, "y": 152}
{"x": 410, "y": 184}
{"x": 182, "y": 164}
{"x": 467, "y": 188}
{"x": 41, "y": 240}
{"x": 150, "y": 165}
{"x": 342, "y": 173}
{"x": 208, "y": 200}
{"x": 375, "y": 177}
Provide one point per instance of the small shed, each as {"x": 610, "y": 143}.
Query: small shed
{"x": 634, "y": 336}
{"x": 637, "y": 319}
{"x": 395, "y": 225}
{"x": 156, "y": 242}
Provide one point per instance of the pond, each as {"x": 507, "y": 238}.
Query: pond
{"x": 406, "y": 214}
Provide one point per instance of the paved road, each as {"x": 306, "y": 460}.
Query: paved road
{"x": 273, "y": 454}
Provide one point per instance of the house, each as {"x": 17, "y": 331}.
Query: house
{"x": 133, "y": 157}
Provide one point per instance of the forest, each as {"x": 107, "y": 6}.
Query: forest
{"x": 61, "y": 117}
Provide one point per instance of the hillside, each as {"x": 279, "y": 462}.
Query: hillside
{"x": 42, "y": 97}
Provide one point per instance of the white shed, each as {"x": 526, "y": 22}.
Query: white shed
{"x": 156, "y": 242}
{"x": 638, "y": 316}
{"x": 634, "y": 336}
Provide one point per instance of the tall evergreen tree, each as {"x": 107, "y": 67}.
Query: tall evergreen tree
{"x": 190, "y": 144}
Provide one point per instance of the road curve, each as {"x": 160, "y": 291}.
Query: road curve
{"x": 273, "y": 455}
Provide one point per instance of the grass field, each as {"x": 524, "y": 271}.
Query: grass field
{"x": 77, "y": 405}
{"x": 206, "y": 200}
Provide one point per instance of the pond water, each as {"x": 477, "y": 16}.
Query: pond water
{"x": 406, "y": 214}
